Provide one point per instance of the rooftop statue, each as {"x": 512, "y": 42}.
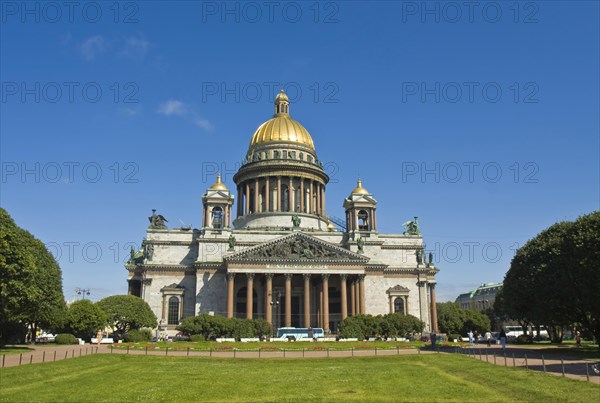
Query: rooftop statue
{"x": 412, "y": 227}
{"x": 296, "y": 220}
{"x": 157, "y": 221}
{"x": 231, "y": 242}
{"x": 361, "y": 244}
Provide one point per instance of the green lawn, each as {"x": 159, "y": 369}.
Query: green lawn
{"x": 14, "y": 350}
{"x": 393, "y": 378}
{"x": 308, "y": 345}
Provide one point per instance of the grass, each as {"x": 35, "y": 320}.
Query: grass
{"x": 14, "y": 350}
{"x": 308, "y": 345}
{"x": 438, "y": 377}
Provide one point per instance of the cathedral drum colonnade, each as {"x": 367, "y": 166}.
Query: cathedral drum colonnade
{"x": 282, "y": 257}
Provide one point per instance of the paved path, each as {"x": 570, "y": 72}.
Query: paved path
{"x": 575, "y": 368}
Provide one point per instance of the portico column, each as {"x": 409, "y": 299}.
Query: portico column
{"x": 374, "y": 220}
{"x": 230, "y": 283}
{"x": 267, "y": 196}
{"x": 249, "y": 294}
{"x": 288, "y": 300}
{"x": 361, "y": 285}
{"x": 325, "y": 302}
{"x": 306, "y": 300}
{"x": 269, "y": 298}
{"x": 247, "y": 198}
{"x": 434, "y": 322}
{"x": 302, "y": 195}
{"x": 278, "y": 193}
{"x": 344, "y": 296}
{"x": 352, "y": 299}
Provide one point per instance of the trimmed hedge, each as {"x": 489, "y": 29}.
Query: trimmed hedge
{"x": 66, "y": 338}
{"x": 137, "y": 336}
{"x": 197, "y": 337}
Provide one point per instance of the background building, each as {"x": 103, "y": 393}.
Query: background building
{"x": 282, "y": 257}
{"x": 481, "y": 298}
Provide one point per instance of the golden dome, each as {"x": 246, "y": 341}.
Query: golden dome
{"x": 359, "y": 190}
{"x": 218, "y": 185}
{"x": 282, "y": 127}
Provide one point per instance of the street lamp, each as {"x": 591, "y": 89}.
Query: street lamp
{"x": 82, "y": 291}
{"x": 275, "y": 304}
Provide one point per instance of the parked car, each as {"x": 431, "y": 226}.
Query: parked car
{"x": 45, "y": 338}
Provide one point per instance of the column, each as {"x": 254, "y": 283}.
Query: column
{"x": 278, "y": 193}
{"x": 256, "y": 191}
{"x": 320, "y": 313}
{"x": 434, "y": 322}
{"x": 302, "y": 195}
{"x": 325, "y": 302}
{"x": 291, "y": 197}
{"x": 344, "y": 296}
{"x": 374, "y": 228}
{"x": 310, "y": 197}
{"x": 164, "y": 310}
{"x": 352, "y": 299}
{"x": 249, "y": 294}
{"x": 247, "y": 198}
{"x": 267, "y": 195}
{"x": 240, "y": 197}
{"x": 288, "y": 300}
{"x": 391, "y": 302}
{"x": 306, "y": 300}
{"x": 269, "y": 298}
{"x": 318, "y": 198}
{"x": 361, "y": 285}
{"x": 323, "y": 208}
{"x": 206, "y": 220}
{"x": 230, "y": 283}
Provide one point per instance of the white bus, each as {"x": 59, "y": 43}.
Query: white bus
{"x": 512, "y": 332}
{"x": 299, "y": 333}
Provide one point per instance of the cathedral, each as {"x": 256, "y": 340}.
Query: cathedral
{"x": 272, "y": 251}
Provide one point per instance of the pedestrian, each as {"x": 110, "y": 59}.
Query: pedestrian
{"x": 433, "y": 338}
{"x": 578, "y": 339}
{"x": 503, "y": 339}
{"x": 99, "y": 337}
{"x": 470, "y": 334}
{"x": 488, "y": 338}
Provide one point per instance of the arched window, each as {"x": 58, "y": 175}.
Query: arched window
{"x": 399, "y": 305}
{"x": 217, "y": 217}
{"x": 363, "y": 221}
{"x": 173, "y": 317}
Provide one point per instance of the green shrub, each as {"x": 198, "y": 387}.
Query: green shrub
{"x": 453, "y": 336}
{"x": 66, "y": 338}
{"x": 197, "y": 337}
{"x": 137, "y": 336}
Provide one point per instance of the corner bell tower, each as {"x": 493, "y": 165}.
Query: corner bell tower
{"x": 360, "y": 211}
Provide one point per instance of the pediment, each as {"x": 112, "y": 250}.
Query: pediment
{"x": 398, "y": 289}
{"x": 297, "y": 247}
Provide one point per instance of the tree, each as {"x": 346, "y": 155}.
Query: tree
{"x": 84, "y": 319}
{"x": 126, "y": 312}
{"x": 30, "y": 283}
{"x": 451, "y": 317}
{"x": 476, "y": 321}
{"x": 554, "y": 279}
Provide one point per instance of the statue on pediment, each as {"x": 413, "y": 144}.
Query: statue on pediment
{"x": 157, "y": 221}
{"x": 412, "y": 227}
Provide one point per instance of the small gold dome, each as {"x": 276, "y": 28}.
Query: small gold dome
{"x": 359, "y": 190}
{"x": 282, "y": 96}
{"x": 218, "y": 185}
{"x": 282, "y": 128}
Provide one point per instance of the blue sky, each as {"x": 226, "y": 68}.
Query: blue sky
{"x": 483, "y": 122}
